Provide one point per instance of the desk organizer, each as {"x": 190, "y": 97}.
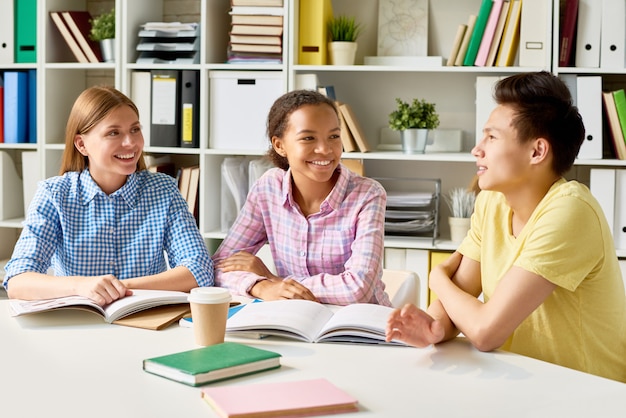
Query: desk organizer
{"x": 412, "y": 207}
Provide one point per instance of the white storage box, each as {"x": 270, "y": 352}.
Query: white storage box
{"x": 239, "y": 104}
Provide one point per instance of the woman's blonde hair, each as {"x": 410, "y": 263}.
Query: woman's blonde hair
{"x": 90, "y": 108}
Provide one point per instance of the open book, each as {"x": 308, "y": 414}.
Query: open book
{"x": 313, "y": 322}
{"x": 121, "y": 311}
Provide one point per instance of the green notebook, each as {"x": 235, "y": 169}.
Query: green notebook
{"x": 208, "y": 364}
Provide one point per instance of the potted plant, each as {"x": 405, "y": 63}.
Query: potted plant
{"x": 461, "y": 204}
{"x": 343, "y": 32}
{"x": 103, "y": 31}
{"x": 414, "y": 120}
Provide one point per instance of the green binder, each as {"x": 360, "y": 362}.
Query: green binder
{"x": 26, "y": 31}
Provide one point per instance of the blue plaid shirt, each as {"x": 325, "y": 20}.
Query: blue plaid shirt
{"x": 73, "y": 226}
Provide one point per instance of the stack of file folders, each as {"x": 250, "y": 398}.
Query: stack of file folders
{"x": 169, "y": 43}
{"x": 412, "y": 207}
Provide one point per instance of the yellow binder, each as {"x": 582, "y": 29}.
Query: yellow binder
{"x": 313, "y": 34}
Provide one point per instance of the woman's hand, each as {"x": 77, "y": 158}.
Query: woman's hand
{"x": 275, "y": 289}
{"x": 102, "y": 289}
{"x": 414, "y": 326}
{"x": 244, "y": 261}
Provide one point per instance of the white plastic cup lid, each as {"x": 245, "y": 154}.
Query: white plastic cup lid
{"x": 209, "y": 295}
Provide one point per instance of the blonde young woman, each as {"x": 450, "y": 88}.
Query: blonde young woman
{"x": 104, "y": 224}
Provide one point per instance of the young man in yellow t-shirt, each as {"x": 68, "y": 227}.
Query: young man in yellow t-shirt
{"x": 539, "y": 249}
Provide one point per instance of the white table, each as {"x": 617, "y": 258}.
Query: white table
{"x": 72, "y": 364}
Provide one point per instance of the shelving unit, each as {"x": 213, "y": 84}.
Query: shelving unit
{"x": 370, "y": 90}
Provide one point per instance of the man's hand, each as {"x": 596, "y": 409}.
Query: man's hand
{"x": 414, "y": 326}
{"x": 102, "y": 289}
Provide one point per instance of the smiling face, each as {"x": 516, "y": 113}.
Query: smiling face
{"x": 113, "y": 147}
{"x": 312, "y": 145}
{"x": 503, "y": 161}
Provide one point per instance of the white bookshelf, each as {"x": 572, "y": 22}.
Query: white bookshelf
{"x": 370, "y": 90}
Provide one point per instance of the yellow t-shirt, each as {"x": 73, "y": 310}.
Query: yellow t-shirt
{"x": 582, "y": 324}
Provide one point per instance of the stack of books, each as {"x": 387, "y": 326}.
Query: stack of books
{"x": 169, "y": 43}
{"x": 256, "y": 34}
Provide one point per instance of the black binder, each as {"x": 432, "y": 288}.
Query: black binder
{"x": 189, "y": 109}
{"x": 165, "y": 106}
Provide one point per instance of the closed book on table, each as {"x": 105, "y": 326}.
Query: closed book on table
{"x": 15, "y": 107}
{"x": 190, "y": 109}
{"x": 165, "y": 108}
{"x": 216, "y": 362}
{"x": 79, "y": 22}
{"x": 279, "y": 399}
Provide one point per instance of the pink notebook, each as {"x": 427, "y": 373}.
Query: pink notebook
{"x": 279, "y": 399}
{"x": 490, "y": 29}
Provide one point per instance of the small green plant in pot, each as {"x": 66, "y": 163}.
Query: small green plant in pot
{"x": 414, "y": 120}
{"x": 103, "y": 31}
{"x": 343, "y": 32}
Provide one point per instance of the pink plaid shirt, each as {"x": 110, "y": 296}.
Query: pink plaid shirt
{"x": 336, "y": 253}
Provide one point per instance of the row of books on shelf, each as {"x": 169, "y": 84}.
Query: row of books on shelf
{"x": 18, "y": 32}
{"x": 256, "y": 34}
{"x": 493, "y": 35}
{"x": 187, "y": 178}
{"x": 74, "y": 26}
{"x": 168, "y": 102}
{"x": 18, "y": 107}
{"x": 593, "y": 34}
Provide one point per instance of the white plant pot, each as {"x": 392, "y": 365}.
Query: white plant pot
{"x": 107, "y": 46}
{"x": 414, "y": 140}
{"x": 342, "y": 53}
{"x": 458, "y": 228}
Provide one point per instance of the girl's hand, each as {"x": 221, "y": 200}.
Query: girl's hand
{"x": 275, "y": 289}
{"x": 244, "y": 261}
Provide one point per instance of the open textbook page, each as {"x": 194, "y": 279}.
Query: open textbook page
{"x": 139, "y": 301}
{"x": 313, "y": 322}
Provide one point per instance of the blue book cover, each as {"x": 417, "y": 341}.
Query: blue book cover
{"x": 15, "y": 106}
{"x": 32, "y": 106}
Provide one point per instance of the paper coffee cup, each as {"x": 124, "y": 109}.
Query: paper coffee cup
{"x": 209, "y": 310}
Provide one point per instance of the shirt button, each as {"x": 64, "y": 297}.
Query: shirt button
{"x": 112, "y": 231}
{"x": 302, "y": 253}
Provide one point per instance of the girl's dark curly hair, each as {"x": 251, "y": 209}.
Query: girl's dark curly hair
{"x": 278, "y": 117}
